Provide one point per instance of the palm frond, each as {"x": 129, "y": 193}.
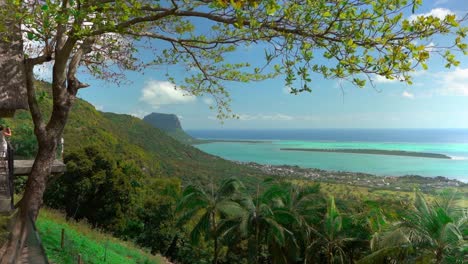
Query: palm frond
{"x": 421, "y": 205}
{"x": 285, "y": 217}
{"x": 229, "y": 187}
{"x": 202, "y": 227}
{"x": 186, "y": 216}
{"x": 276, "y": 230}
{"x": 333, "y": 221}
{"x": 228, "y": 231}
{"x": 274, "y": 193}
{"x": 379, "y": 256}
{"x": 230, "y": 209}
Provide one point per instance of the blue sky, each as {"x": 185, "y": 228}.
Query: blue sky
{"x": 437, "y": 99}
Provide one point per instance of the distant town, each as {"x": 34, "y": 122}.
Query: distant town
{"x": 401, "y": 183}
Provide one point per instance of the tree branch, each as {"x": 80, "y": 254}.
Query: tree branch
{"x": 134, "y": 21}
{"x": 39, "y": 126}
{"x": 73, "y": 84}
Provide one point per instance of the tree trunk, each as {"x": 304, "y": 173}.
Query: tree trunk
{"x": 47, "y": 137}
{"x": 215, "y": 230}
{"x": 439, "y": 255}
{"x": 329, "y": 255}
{"x": 32, "y": 200}
{"x": 215, "y": 259}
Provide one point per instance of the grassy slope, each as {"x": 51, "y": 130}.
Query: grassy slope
{"x": 91, "y": 244}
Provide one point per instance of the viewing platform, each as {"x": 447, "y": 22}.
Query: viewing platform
{"x": 23, "y": 167}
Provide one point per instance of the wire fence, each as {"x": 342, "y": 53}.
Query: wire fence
{"x": 73, "y": 248}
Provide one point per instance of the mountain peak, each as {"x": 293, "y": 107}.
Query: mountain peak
{"x": 170, "y": 124}
{"x": 166, "y": 122}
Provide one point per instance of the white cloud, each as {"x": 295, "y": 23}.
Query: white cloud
{"x": 439, "y": 12}
{"x": 158, "y": 93}
{"x": 275, "y": 117}
{"x": 430, "y": 47}
{"x": 269, "y": 117}
{"x": 139, "y": 113}
{"x": 398, "y": 79}
{"x": 99, "y": 107}
{"x": 454, "y": 83}
{"x": 407, "y": 95}
{"x": 208, "y": 100}
{"x": 382, "y": 79}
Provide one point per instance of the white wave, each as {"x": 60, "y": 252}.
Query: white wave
{"x": 458, "y": 158}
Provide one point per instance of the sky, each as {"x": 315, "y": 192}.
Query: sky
{"x": 437, "y": 99}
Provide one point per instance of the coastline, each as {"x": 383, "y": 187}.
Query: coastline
{"x": 374, "y": 152}
{"x": 207, "y": 141}
{"x": 376, "y": 158}
{"x": 396, "y": 183}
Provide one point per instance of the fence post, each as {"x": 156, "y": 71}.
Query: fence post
{"x": 105, "y": 251}
{"x": 62, "y": 241}
{"x": 79, "y": 259}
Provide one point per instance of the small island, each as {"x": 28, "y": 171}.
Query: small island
{"x": 375, "y": 152}
{"x": 206, "y": 141}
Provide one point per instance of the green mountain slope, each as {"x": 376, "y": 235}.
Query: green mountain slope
{"x": 129, "y": 138}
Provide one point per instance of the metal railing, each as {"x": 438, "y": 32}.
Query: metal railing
{"x": 11, "y": 173}
{"x": 41, "y": 256}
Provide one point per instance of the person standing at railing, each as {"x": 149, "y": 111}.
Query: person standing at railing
{"x": 6, "y": 187}
{"x": 4, "y": 133}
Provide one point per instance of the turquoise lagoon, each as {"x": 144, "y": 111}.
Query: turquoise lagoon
{"x": 268, "y": 152}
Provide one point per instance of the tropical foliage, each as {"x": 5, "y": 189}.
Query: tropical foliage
{"x": 429, "y": 233}
{"x": 282, "y": 223}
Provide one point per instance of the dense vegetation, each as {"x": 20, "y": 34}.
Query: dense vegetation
{"x": 127, "y": 138}
{"x": 278, "y": 222}
{"x": 132, "y": 180}
{"x": 286, "y": 223}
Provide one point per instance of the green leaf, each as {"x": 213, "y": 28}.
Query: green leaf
{"x": 30, "y": 36}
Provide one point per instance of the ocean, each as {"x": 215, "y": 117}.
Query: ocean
{"x": 267, "y": 149}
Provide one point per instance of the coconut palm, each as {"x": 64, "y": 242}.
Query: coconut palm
{"x": 265, "y": 226}
{"x": 330, "y": 239}
{"x": 305, "y": 203}
{"x": 428, "y": 233}
{"x": 207, "y": 209}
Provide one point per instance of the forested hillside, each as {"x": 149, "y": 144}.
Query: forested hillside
{"x": 128, "y": 138}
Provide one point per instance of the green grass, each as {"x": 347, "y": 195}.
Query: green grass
{"x": 89, "y": 243}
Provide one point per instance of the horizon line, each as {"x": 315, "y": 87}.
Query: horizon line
{"x": 334, "y": 128}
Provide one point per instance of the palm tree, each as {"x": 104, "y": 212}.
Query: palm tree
{"x": 265, "y": 225}
{"x": 428, "y": 233}
{"x": 305, "y": 204}
{"x": 207, "y": 209}
{"x": 330, "y": 238}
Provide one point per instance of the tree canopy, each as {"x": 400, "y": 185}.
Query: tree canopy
{"x": 358, "y": 39}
